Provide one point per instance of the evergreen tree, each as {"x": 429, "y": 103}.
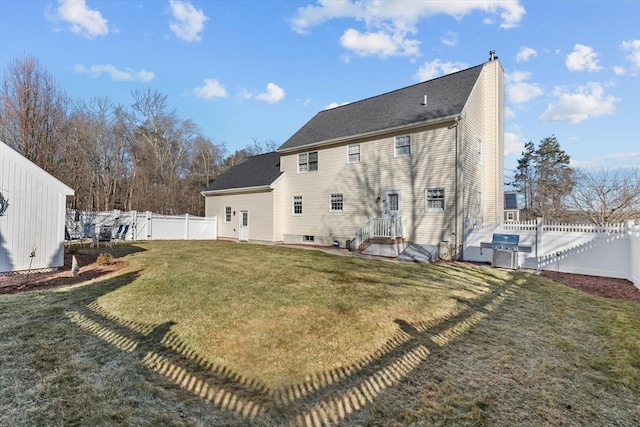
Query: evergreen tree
{"x": 545, "y": 178}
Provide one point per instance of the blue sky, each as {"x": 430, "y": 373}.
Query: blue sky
{"x": 260, "y": 69}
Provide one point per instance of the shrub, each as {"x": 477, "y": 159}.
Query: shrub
{"x": 104, "y": 259}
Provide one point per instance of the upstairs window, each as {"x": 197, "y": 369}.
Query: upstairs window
{"x": 434, "y": 199}
{"x": 353, "y": 153}
{"x": 308, "y": 162}
{"x": 403, "y": 146}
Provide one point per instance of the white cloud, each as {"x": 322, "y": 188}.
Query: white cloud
{"x": 210, "y": 89}
{"x": 126, "y": 75}
{"x": 518, "y": 90}
{"x": 509, "y": 113}
{"x": 619, "y": 71}
{"x": 435, "y": 68}
{"x": 586, "y": 102}
{"x": 188, "y": 22}
{"x": 82, "y": 20}
{"x": 388, "y": 24}
{"x": 450, "y": 39}
{"x": 582, "y": 58}
{"x": 633, "y": 47}
{"x": 335, "y": 104}
{"x": 623, "y": 156}
{"x": 381, "y": 43}
{"x": 513, "y": 143}
{"x": 273, "y": 94}
{"x": 525, "y": 53}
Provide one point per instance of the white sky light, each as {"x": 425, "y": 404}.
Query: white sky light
{"x": 245, "y": 70}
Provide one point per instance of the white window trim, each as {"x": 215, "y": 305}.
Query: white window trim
{"x": 331, "y": 202}
{"x": 307, "y": 162}
{"x": 293, "y": 206}
{"x": 349, "y": 154}
{"x": 426, "y": 199}
{"x": 395, "y": 146}
{"x": 225, "y": 214}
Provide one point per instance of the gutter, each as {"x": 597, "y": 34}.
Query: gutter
{"x": 237, "y": 190}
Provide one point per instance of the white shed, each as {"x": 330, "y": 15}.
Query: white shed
{"x": 32, "y": 214}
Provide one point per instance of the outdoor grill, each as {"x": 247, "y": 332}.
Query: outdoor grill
{"x": 505, "y": 250}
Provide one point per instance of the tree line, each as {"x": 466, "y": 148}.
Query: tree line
{"x": 555, "y": 191}
{"x": 137, "y": 157}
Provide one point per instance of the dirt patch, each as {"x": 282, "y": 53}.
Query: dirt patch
{"x": 89, "y": 269}
{"x": 601, "y": 286}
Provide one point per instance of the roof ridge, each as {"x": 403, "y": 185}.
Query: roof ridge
{"x": 399, "y": 89}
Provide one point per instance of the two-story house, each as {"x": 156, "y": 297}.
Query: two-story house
{"x": 412, "y": 163}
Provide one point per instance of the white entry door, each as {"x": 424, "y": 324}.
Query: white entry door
{"x": 244, "y": 226}
{"x": 392, "y": 204}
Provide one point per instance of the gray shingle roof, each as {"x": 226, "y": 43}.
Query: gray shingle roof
{"x": 255, "y": 171}
{"x": 446, "y": 96}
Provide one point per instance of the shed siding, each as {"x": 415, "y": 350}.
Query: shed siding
{"x": 35, "y": 217}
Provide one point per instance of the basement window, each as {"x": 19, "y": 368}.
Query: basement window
{"x": 308, "y": 239}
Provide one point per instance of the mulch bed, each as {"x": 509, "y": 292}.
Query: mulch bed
{"x": 601, "y": 286}
{"x": 89, "y": 269}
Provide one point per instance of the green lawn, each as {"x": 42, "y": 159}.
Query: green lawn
{"x": 219, "y": 333}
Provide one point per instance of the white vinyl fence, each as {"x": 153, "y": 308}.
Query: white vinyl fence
{"x": 611, "y": 250}
{"x": 135, "y": 225}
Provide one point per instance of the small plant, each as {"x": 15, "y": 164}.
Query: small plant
{"x": 104, "y": 259}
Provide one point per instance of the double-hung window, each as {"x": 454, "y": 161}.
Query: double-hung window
{"x": 403, "y": 146}
{"x": 308, "y": 162}
{"x": 336, "y": 203}
{"x": 434, "y": 199}
{"x": 227, "y": 214}
{"x": 353, "y": 153}
{"x": 297, "y": 205}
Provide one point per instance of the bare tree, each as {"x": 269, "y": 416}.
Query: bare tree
{"x": 607, "y": 196}
{"x": 33, "y": 110}
{"x": 160, "y": 144}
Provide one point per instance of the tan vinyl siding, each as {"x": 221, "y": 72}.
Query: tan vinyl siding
{"x": 473, "y": 172}
{"x": 431, "y": 165}
{"x": 260, "y": 206}
{"x": 493, "y": 78}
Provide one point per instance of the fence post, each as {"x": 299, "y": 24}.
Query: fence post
{"x": 539, "y": 244}
{"x": 186, "y": 226}
{"x": 134, "y": 225}
{"x": 149, "y": 231}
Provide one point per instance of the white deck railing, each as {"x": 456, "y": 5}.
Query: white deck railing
{"x": 390, "y": 228}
